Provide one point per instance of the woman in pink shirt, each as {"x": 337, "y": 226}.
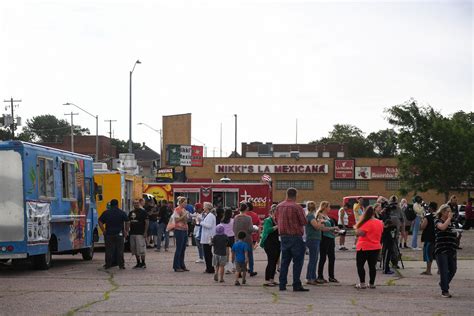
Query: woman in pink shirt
{"x": 369, "y": 230}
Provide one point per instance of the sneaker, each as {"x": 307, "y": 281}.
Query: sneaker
{"x": 215, "y": 278}
{"x": 321, "y": 281}
{"x": 333, "y": 280}
{"x": 122, "y": 267}
{"x": 311, "y": 282}
{"x": 360, "y": 286}
{"x": 199, "y": 261}
{"x": 252, "y": 274}
{"x": 221, "y": 281}
{"x": 446, "y": 295}
{"x": 237, "y": 283}
{"x": 244, "y": 281}
{"x": 344, "y": 249}
{"x": 138, "y": 265}
{"x": 143, "y": 266}
{"x": 371, "y": 286}
{"x": 389, "y": 272}
{"x": 405, "y": 245}
{"x": 300, "y": 289}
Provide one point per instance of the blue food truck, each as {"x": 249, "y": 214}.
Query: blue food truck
{"x": 47, "y": 204}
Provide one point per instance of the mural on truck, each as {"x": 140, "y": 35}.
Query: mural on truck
{"x": 160, "y": 192}
{"x": 79, "y": 209}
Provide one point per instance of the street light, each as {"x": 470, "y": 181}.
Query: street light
{"x": 96, "y": 129}
{"x": 158, "y": 131}
{"x": 130, "y": 144}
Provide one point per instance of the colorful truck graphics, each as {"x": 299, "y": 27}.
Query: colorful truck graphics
{"x": 219, "y": 194}
{"x": 116, "y": 185}
{"x": 46, "y": 203}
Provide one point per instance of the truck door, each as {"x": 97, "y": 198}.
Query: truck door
{"x": 12, "y": 216}
{"x": 128, "y": 197}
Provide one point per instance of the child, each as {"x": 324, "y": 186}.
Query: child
{"x": 220, "y": 241}
{"x": 240, "y": 256}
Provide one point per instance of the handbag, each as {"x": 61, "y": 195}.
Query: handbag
{"x": 171, "y": 224}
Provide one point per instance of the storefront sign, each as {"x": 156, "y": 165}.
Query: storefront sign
{"x": 165, "y": 173}
{"x": 184, "y": 155}
{"x": 384, "y": 172}
{"x": 362, "y": 173}
{"x": 271, "y": 169}
{"x": 344, "y": 169}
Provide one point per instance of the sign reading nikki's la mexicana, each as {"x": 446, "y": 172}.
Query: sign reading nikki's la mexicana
{"x": 271, "y": 168}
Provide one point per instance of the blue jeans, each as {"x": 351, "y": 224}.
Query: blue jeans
{"x": 447, "y": 267}
{"x": 181, "y": 237}
{"x": 161, "y": 231}
{"x": 313, "y": 247}
{"x": 251, "y": 260}
{"x": 199, "y": 247}
{"x": 292, "y": 248}
{"x": 416, "y": 229}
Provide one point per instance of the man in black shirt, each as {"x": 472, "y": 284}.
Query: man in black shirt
{"x": 428, "y": 236}
{"x": 138, "y": 231}
{"x": 164, "y": 214}
{"x": 114, "y": 225}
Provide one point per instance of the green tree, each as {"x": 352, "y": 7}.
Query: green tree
{"x": 122, "y": 145}
{"x": 358, "y": 145}
{"x": 436, "y": 152}
{"x": 384, "y": 142}
{"x": 48, "y": 128}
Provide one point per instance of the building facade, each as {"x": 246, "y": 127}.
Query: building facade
{"x": 316, "y": 179}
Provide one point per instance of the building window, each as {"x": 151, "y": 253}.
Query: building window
{"x": 326, "y": 154}
{"x": 340, "y": 154}
{"x": 69, "y": 180}
{"x": 45, "y": 177}
{"x": 392, "y": 185}
{"x": 297, "y": 184}
{"x": 349, "y": 185}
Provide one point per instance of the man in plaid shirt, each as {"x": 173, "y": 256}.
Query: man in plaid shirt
{"x": 291, "y": 220}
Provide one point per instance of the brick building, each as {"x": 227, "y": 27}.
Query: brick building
{"x": 86, "y": 145}
{"x": 316, "y": 179}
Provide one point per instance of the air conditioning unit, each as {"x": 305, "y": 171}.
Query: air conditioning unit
{"x": 99, "y": 166}
{"x": 294, "y": 154}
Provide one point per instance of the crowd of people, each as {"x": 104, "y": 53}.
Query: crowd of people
{"x": 226, "y": 242}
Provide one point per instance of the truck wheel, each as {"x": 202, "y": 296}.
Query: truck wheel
{"x": 88, "y": 253}
{"x": 42, "y": 262}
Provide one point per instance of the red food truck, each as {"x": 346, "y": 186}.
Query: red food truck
{"x": 219, "y": 194}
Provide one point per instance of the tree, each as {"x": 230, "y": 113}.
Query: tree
{"x": 47, "y": 128}
{"x": 358, "y": 146}
{"x": 436, "y": 152}
{"x": 122, "y": 145}
{"x": 384, "y": 142}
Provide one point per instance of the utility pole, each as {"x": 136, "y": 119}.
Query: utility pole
{"x": 296, "y": 131}
{"x": 12, "y": 125}
{"x": 220, "y": 151}
{"x": 235, "y": 147}
{"x": 72, "y": 128}
{"x": 110, "y": 136}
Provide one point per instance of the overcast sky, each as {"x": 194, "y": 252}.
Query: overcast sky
{"x": 270, "y": 62}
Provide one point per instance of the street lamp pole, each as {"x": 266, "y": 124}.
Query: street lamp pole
{"x": 130, "y": 144}
{"x": 96, "y": 128}
{"x": 160, "y": 132}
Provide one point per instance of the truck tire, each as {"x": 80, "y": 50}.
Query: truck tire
{"x": 42, "y": 262}
{"x": 88, "y": 253}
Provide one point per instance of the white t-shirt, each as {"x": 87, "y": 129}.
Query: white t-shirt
{"x": 345, "y": 217}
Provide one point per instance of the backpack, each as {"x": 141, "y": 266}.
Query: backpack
{"x": 410, "y": 212}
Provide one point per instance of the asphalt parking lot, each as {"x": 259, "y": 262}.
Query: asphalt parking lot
{"x": 76, "y": 287}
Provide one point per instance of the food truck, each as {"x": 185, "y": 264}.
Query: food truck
{"x": 219, "y": 194}
{"x": 113, "y": 184}
{"x": 47, "y": 203}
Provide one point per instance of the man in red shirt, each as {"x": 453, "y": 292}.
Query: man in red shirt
{"x": 469, "y": 215}
{"x": 255, "y": 235}
{"x": 291, "y": 220}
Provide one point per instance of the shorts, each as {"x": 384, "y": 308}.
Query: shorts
{"x": 342, "y": 227}
{"x": 231, "y": 241}
{"x": 218, "y": 260}
{"x": 137, "y": 245}
{"x": 240, "y": 267}
{"x": 153, "y": 228}
{"x": 428, "y": 251}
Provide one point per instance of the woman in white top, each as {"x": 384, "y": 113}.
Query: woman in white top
{"x": 342, "y": 223}
{"x": 208, "y": 225}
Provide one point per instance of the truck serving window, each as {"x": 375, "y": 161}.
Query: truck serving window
{"x": 69, "y": 181}
{"x": 46, "y": 177}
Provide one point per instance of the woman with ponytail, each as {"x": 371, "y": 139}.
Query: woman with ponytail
{"x": 369, "y": 230}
